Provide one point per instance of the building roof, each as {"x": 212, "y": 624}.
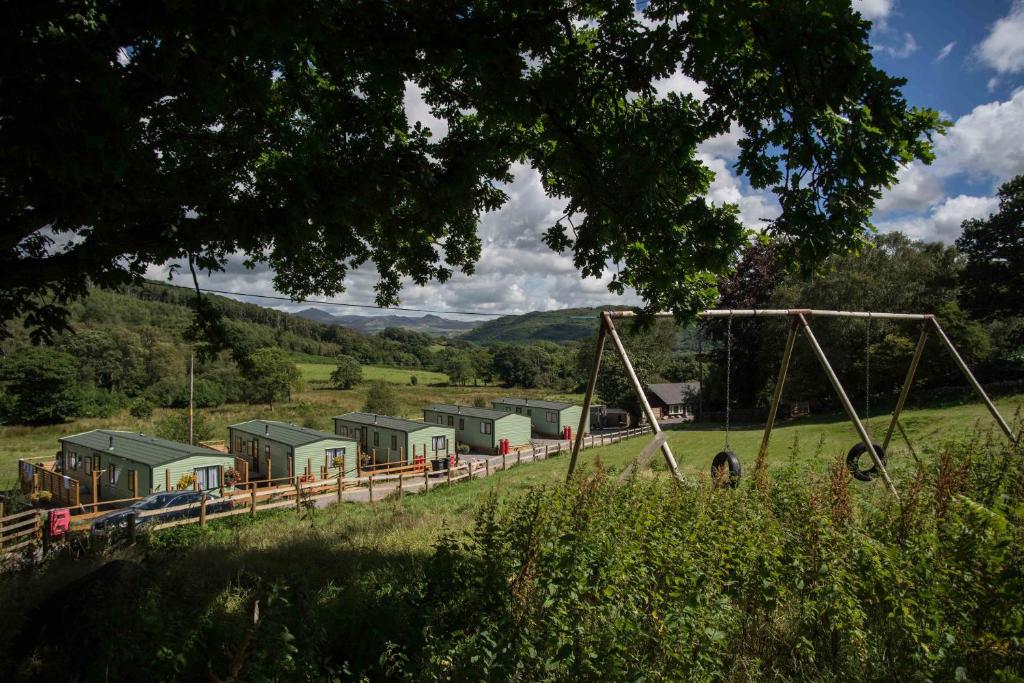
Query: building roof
{"x": 148, "y": 450}
{"x": 387, "y": 422}
{"x": 535, "y": 403}
{"x": 674, "y": 393}
{"x": 282, "y": 432}
{"x": 484, "y": 413}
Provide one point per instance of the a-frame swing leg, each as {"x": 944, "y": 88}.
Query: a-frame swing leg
{"x": 911, "y": 371}
{"x": 974, "y": 382}
{"x": 602, "y": 333}
{"x": 777, "y": 395}
{"x": 670, "y": 459}
{"x": 845, "y": 400}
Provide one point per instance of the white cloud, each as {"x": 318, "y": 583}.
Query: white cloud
{"x": 418, "y": 110}
{"x": 943, "y": 222}
{"x": 682, "y": 84}
{"x": 907, "y": 48}
{"x": 875, "y": 10}
{"x": 944, "y": 52}
{"x": 917, "y": 187}
{"x": 985, "y": 142}
{"x": 1003, "y": 48}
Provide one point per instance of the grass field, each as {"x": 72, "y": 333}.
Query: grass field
{"x": 321, "y": 372}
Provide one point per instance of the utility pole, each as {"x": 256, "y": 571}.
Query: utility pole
{"x": 191, "y": 386}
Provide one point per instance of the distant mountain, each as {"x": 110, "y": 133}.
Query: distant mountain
{"x": 568, "y": 324}
{"x": 368, "y": 324}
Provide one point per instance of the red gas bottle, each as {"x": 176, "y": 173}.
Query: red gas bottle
{"x": 60, "y": 519}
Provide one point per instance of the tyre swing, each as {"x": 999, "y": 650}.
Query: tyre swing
{"x": 725, "y": 458}
{"x": 854, "y": 455}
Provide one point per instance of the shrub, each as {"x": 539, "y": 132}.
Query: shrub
{"x": 175, "y": 427}
{"x": 141, "y": 408}
{"x": 413, "y": 380}
{"x": 381, "y": 399}
{"x": 462, "y": 449}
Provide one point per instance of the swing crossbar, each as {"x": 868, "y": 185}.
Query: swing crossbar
{"x": 783, "y": 312}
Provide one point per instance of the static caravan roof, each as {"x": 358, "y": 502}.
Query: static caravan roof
{"x": 485, "y": 413}
{"x": 148, "y": 450}
{"x": 282, "y": 432}
{"x": 385, "y": 421}
{"x": 536, "y": 403}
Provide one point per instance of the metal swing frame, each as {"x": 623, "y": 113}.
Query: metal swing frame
{"x": 799, "y": 322}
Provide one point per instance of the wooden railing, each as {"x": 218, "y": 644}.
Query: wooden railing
{"x": 20, "y": 531}
{"x": 36, "y": 477}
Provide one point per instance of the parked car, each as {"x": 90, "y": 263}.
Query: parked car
{"x": 118, "y": 519}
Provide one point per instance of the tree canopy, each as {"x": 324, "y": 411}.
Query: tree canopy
{"x": 993, "y": 250}
{"x": 135, "y": 134}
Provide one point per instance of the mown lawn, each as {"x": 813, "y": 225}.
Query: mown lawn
{"x": 321, "y": 372}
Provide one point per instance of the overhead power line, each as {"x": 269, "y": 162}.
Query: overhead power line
{"x": 327, "y": 303}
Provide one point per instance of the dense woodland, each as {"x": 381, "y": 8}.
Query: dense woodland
{"x": 129, "y": 348}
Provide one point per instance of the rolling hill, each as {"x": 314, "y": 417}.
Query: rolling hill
{"x": 369, "y": 324}
{"x": 569, "y": 324}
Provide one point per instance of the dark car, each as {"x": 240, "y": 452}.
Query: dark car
{"x": 169, "y": 500}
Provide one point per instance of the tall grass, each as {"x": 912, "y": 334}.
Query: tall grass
{"x": 798, "y": 574}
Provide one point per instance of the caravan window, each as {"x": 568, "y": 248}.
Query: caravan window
{"x": 485, "y": 427}
{"x": 552, "y": 416}
{"x": 439, "y": 443}
{"x": 208, "y": 477}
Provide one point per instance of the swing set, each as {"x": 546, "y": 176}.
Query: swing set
{"x": 726, "y": 461}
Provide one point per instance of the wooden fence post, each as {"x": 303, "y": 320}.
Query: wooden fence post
{"x": 341, "y": 484}
{"x": 202, "y": 510}
{"x": 504, "y": 463}
{"x": 270, "y": 472}
{"x": 135, "y": 483}
{"x": 449, "y": 471}
{"x": 220, "y": 478}
{"x": 487, "y": 467}
{"x": 426, "y": 478}
{"x": 131, "y": 529}
{"x": 298, "y": 496}
{"x": 519, "y": 457}
{"x": 401, "y": 478}
{"x": 401, "y": 455}
{"x": 371, "y": 487}
{"x": 545, "y": 451}
{"x": 309, "y": 467}
{"x": 167, "y": 481}
{"x": 252, "y": 502}
{"x": 96, "y": 488}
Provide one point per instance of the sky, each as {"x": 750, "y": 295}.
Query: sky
{"x": 963, "y": 58}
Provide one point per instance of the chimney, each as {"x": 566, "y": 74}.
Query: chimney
{"x": 110, "y": 441}
{"x": 375, "y": 418}
{"x": 266, "y": 429}
{"x": 460, "y": 409}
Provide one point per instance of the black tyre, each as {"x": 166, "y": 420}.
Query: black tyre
{"x": 853, "y": 461}
{"x": 726, "y": 459}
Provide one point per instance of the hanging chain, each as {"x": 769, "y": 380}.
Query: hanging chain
{"x": 728, "y": 376}
{"x": 867, "y": 371}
